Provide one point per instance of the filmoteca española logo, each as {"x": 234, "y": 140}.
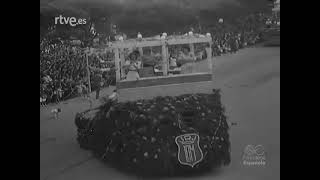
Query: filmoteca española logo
{"x": 189, "y": 151}
{"x": 254, "y": 155}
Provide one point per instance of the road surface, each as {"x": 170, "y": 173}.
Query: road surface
{"x": 250, "y": 84}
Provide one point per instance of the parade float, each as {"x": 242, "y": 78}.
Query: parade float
{"x": 167, "y": 122}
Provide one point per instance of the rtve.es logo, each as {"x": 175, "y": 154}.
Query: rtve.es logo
{"x": 72, "y": 21}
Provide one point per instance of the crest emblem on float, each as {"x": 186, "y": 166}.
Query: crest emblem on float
{"x": 189, "y": 151}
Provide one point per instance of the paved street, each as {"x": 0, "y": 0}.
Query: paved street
{"x": 250, "y": 84}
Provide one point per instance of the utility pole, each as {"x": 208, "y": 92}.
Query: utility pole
{"x": 88, "y": 71}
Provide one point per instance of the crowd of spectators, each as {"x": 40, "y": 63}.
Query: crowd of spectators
{"x": 247, "y": 31}
{"x": 63, "y": 71}
{"x": 231, "y": 42}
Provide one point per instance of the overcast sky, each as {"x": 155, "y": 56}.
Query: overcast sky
{"x": 195, "y": 4}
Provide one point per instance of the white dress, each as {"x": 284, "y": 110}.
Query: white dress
{"x": 173, "y": 62}
{"x": 133, "y": 74}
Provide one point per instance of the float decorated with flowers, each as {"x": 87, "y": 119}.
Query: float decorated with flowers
{"x": 141, "y": 137}
{"x": 168, "y": 129}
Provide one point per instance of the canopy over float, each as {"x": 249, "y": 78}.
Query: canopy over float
{"x": 163, "y": 66}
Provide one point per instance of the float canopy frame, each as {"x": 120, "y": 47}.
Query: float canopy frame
{"x": 118, "y": 47}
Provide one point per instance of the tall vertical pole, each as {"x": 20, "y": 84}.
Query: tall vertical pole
{"x": 191, "y": 45}
{"x": 140, "y": 51}
{"x": 164, "y": 60}
{"x": 168, "y": 58}
{"x": 122, "y": 62}
{"x": 209, "y": 57}
{"x": 88, "y": 72}
{"x": 141, "y": 54}
{"x": 192, "y": 64}
{"x": 117, "y": 64}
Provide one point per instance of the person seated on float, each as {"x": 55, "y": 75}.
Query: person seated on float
{"x": 186, "y": 59}
{"x": 201, "y": 55}
{"x": 186, "y": 56}
{"x": 172, "y": 62}
{"x": 133, "y": 65}
{"x": 138, "y": 62}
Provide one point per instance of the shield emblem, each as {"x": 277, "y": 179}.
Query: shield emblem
{"x": 189, "y": 151}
